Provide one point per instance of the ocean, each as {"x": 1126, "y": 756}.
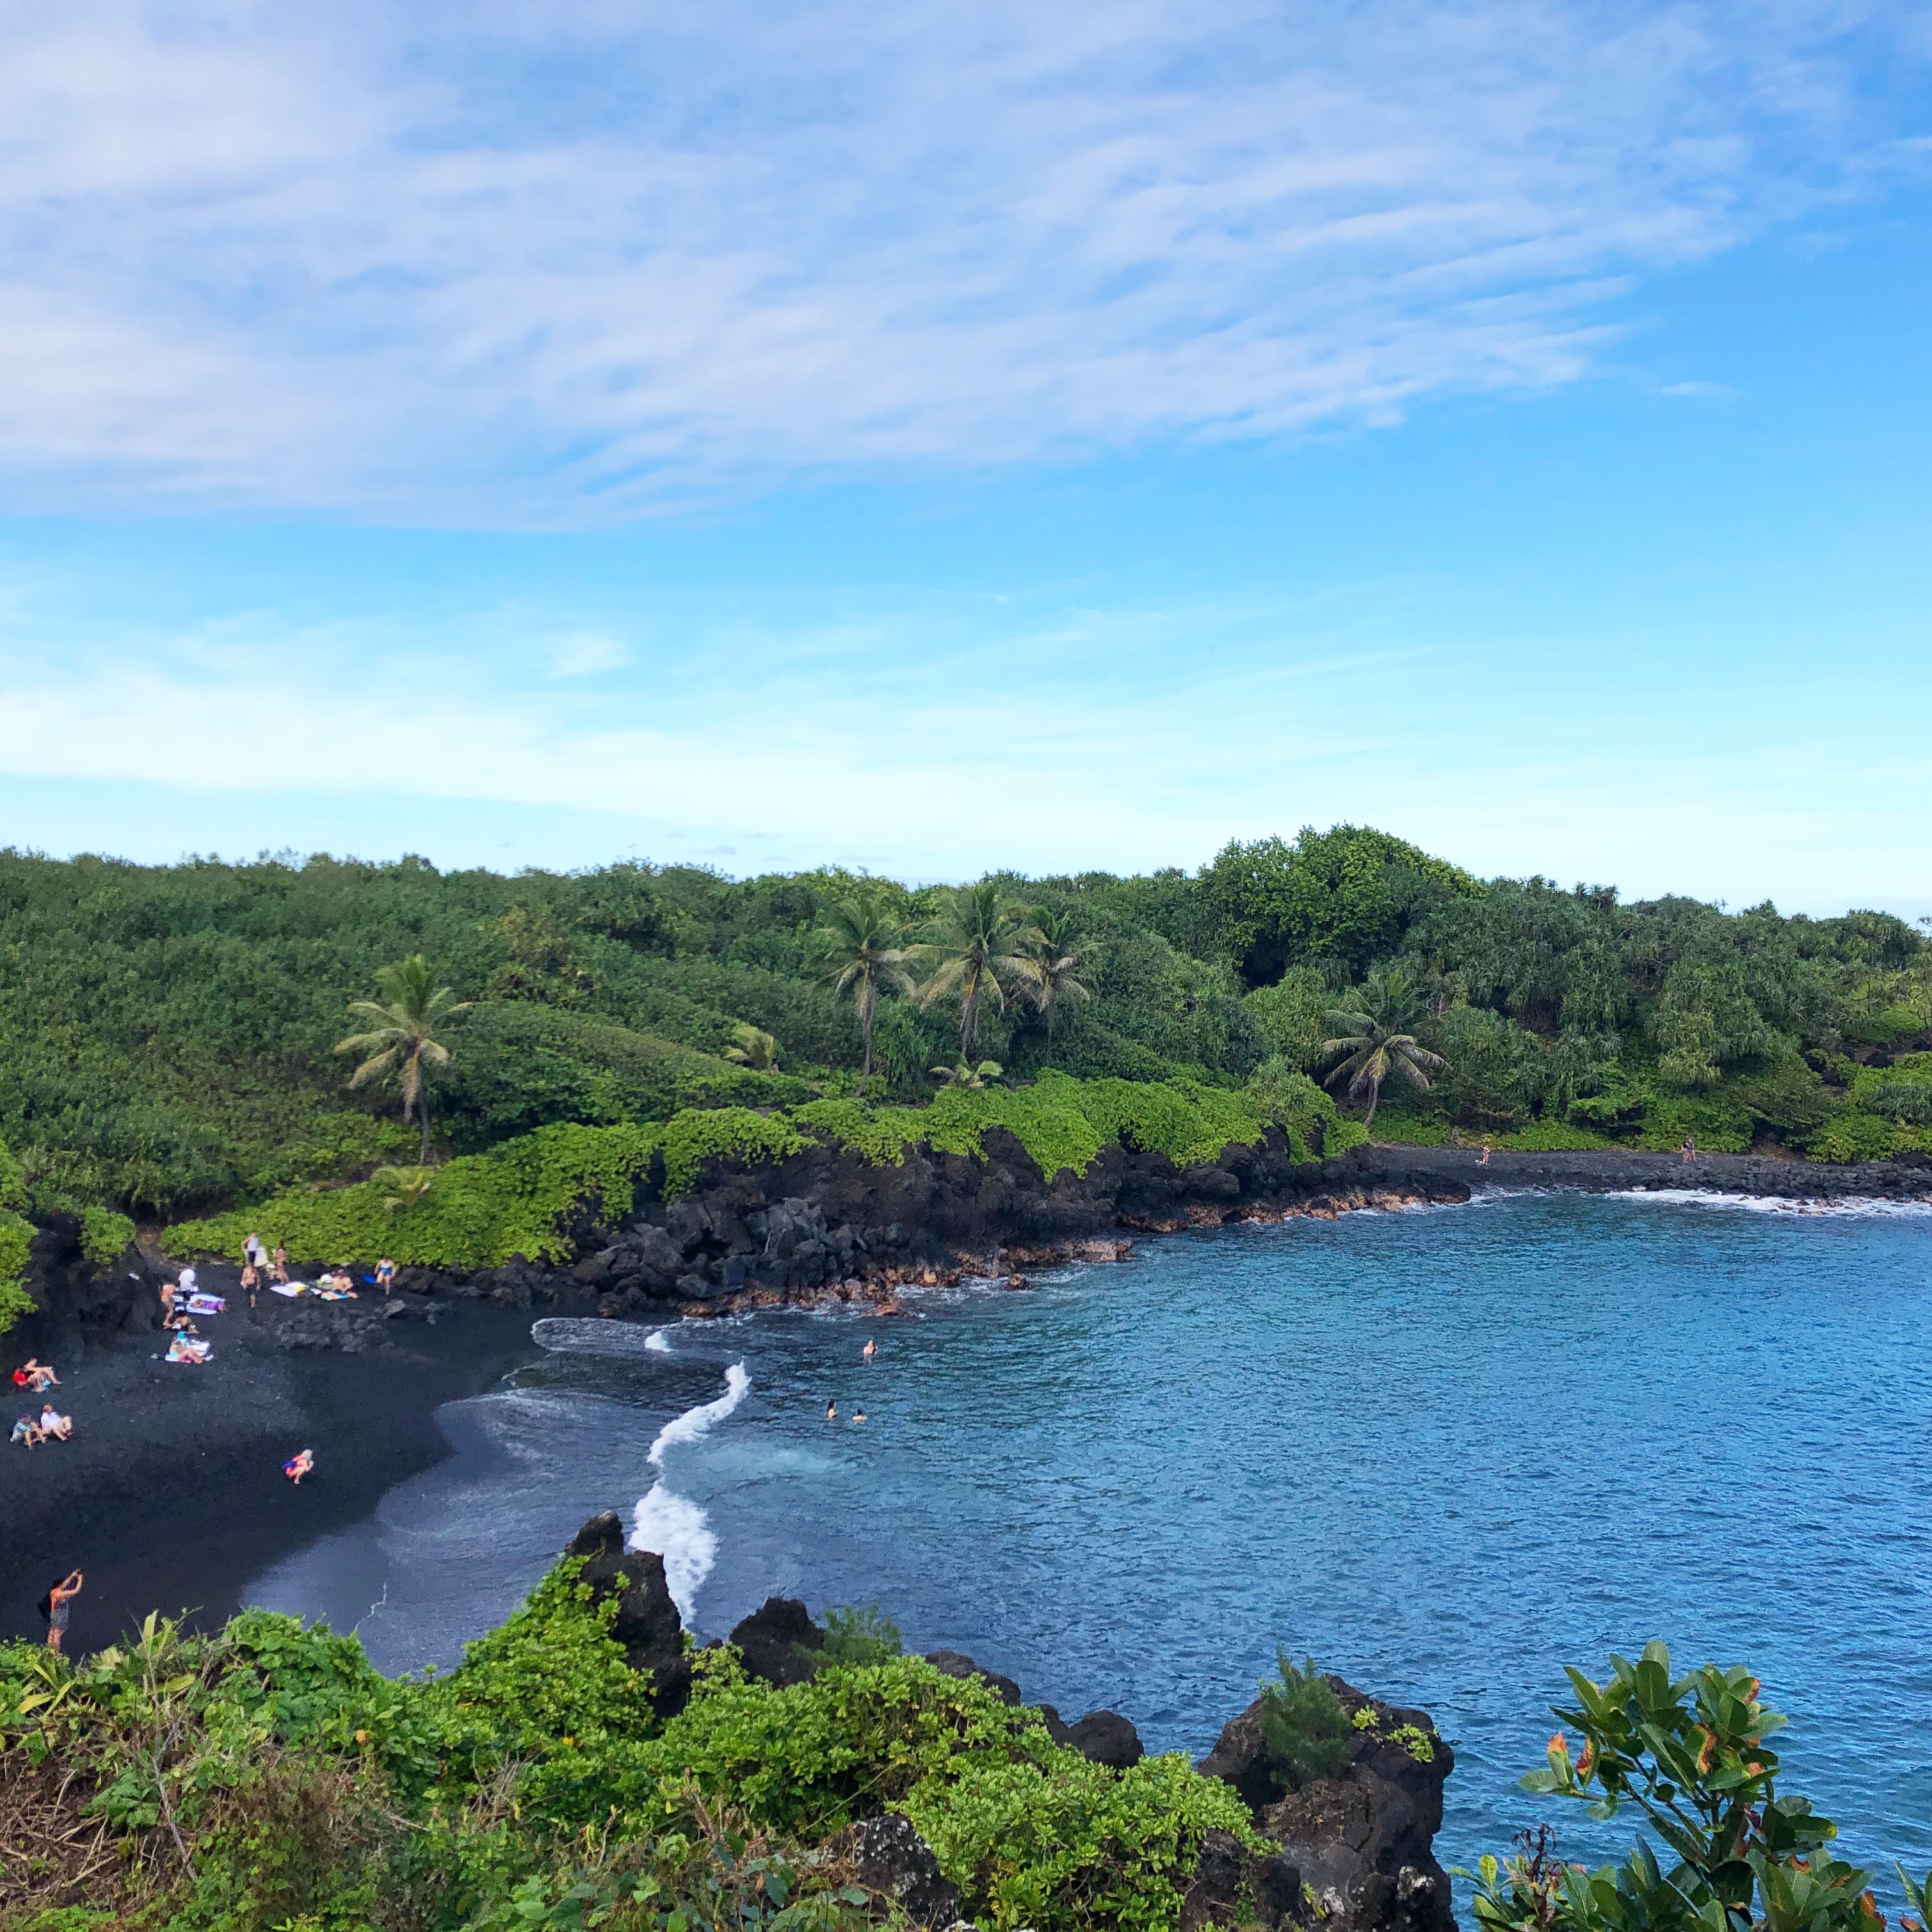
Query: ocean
{"x": 1443, "y": 1451}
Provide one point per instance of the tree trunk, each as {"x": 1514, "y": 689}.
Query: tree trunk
{"x": 866, "y": 1027}
{"x": 1374, "y": 1096}
{"x": 422, "y": 1114}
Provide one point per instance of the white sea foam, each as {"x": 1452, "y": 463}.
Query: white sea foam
{"x": 573, "y": 1335}
{"x": 1860, "y": 1205}
{"x": 673, "y": 1525}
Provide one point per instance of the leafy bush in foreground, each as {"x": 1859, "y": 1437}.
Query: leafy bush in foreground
{"x": 265, "y": 1777}
{"x": 1690, "y": 1754}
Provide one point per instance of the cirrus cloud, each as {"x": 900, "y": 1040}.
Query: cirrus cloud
{"x": 488, "y": 264}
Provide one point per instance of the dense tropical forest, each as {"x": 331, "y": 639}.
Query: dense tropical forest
{"x": 170, "y": 1036}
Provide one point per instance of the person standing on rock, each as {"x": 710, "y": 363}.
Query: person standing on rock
{"x": 385, "y": 1274}
{"x": 60, "y": 1601}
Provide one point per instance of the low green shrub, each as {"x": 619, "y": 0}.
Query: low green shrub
{"x": 104, "y": 1235}
{"x": 1303, "y": 1726}
{"x": 1852, "y": 1136}
{"x": 1548, "y": 1136}
{"x": 860, "y": 1634}
{"x": 16, "y": 1235}
{"x": 480, "y": 1209}
{"x": 1316, "y": 1128}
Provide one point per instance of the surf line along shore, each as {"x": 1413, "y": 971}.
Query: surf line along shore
{"x": 171, "y": 1494}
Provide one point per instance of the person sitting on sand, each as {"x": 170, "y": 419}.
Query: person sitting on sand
{"x": 299, "y": 1466}
{"x": 28, "y": 1431}
{"x": 385, "y": 1274}
{"x": 60, "y": 1603}
{"x": 52, "y": 1422}
{"x": 35, "y": 1377}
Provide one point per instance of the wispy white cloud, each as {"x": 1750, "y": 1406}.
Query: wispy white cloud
{"x": 507, "y": 263}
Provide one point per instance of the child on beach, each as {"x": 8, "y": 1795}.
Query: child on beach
{"x": 281, "y": 1269}
{"x": 299, "y": 1466}
{"x": 251, "y": 1281}
{"x": 28, "y": 1431}
{"x": 60, "y": 1427}
{"x": 59, "y": 1602}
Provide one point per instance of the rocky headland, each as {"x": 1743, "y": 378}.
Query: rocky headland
{"x": 1353, "y": 1850}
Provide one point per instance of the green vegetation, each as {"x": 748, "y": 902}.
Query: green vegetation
{"x": 168, "y": 1034}
{"x": 266, "y": 1776}
{"x": 524, "y": 1196}
{"x": 1373, "y": 1037}
{"x": 400, "y": 1042}
{"x": 1689, "y": 1754}
{"x": 1303, "y": 1726}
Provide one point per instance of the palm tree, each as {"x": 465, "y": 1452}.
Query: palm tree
{"x": 965, "y": 1075}
{"x": 974, "y": 948}
{"x": 1056, "y": 956}
{"x": 402, "y": 1037}
{"x": 403, "y": 1187}
{"x": 1372, "y": 1032}
{"x": 860, "y": 936}
{"x": 753, "y": 1047}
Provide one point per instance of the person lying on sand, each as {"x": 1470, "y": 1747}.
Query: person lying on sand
{"x": 299, "y": 1466}
{"x": 52, "y": 1422}
{"x": 60, "y": 1602}
{"x": 28, "y": 1431}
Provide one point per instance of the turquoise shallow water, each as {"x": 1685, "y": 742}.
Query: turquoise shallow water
{"x": 1444, "y": 1451}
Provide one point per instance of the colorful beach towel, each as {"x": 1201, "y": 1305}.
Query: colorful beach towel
{"x": 206, "y": 1304}
{"x": 291, "y": 1287}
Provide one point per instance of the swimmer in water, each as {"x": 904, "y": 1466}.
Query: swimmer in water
{"x": 832, "y": 1411}
{"x": 871, "y": 1348}
{"x": 858, "y": 1415}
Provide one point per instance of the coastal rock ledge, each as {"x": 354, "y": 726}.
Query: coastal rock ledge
{"x": 1356, "y": 1849}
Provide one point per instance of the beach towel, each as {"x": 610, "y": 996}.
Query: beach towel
{"x": 288, "y": 1288}
{"x": 206, "y": 1304}
{"x": 184, "y": 1349}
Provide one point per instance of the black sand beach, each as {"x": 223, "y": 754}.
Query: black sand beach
{"x": 170, "y": 1495}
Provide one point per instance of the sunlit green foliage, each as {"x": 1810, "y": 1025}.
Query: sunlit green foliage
{"x": 1689, "y": 1755}
{"x": 265, "y": 1777}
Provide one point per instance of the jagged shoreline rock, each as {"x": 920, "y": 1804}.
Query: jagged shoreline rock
{"x": 1360, "y": 1844}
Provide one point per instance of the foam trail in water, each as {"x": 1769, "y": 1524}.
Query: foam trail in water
{"x": 656, "y": 1343}
{"x": 673, "y": 1525}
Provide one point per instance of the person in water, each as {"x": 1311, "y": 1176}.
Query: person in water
{"x": 60, "y": 1603}
{"x": 832, "y": 1411}
{"x": 858, "y": 1415}
{"x": 871, "y": 1347}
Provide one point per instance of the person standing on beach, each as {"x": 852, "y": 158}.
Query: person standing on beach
{"x": 281, "y": 1271}
{"x": 167, "y": 1303}
{"x": 385, "y": 1274}
{"x": 60, "y": 1600}
{"x": 1688, "y": 1150}
{"x": 254, "y": 1254}
{"x": 251, "y": 1281}
{"x": 188, "y": 1282}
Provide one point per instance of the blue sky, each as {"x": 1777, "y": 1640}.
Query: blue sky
{"x": 1055, "y": 437}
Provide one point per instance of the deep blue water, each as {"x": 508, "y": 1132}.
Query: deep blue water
{"x": 1445, "y": 1452}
